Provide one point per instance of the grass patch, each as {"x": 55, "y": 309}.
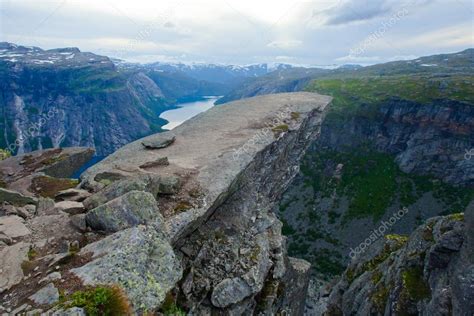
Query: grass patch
{"x": 100, "y": 300}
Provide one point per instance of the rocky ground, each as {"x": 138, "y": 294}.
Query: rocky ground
{"x": 177, "y": 222}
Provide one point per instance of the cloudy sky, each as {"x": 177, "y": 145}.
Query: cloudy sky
{"x": 319, "y": 32}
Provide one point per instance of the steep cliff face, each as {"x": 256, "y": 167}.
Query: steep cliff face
{"x": 429, "y": 273}
{"x": 65, "y": 97}
{"x": 425, "y": 138}
{"x": 181, "y": 221}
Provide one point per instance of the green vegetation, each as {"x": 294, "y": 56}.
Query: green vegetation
{"x": 372, "y": 181}
{"x": 379, "y": 297}
{"x": 286, "y": 228}
{"x": 92, "y": 81}
{"x": 415, "y": 285}
{"x": 4, "y": 154}
{"x": 457, "y": 217}
{"x": 277, "y": 130}
{"x": 32, "y": 253}
{"x": 372, "y": 91}
{"x": 100, "y": 300}
{"x": 170, "y": 307}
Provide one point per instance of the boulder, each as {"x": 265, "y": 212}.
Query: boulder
{"x": 15, "y": 198}
{"x": 45, "y": 206}
{"x": 113, "y": 191}
{"x": 46, "y": 296}
{"x": 13, "y": 226}
{"x": 77, "y": 195}
{"x": 158, "y": 141}
{"x": 131, "y": 209}
{"x": 155, "y": 184}
{"x": 11, "y": 258}
{"x": 138, "y": 259}
{"x": 79, "y": 222}
{"x": 70, "y": 207}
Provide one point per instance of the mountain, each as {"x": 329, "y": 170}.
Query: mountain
{"x": 284, "y": 80}
{"x": 64, "y": 97}
{"x": 296, "y": 79}
{"x": 225, "y": 74}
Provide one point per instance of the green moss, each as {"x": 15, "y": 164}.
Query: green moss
{"x": 32, "y": 254}
{"x": 376, "y": 277}
{"x": 457, "y": 217}
{"x": 105, "y": 182}
{"x": 295, "y": 115}
{"x": 415, "y": 285}
{"x": 277, "y": 130}
{"x": 100, "y": 300}
{"x": 401, "y": 239}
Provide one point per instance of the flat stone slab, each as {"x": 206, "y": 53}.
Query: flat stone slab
{"x": 214, "y": 146}
{"x": 13, "y": 226}
{"x": 11, "y": 259}
{"x": 70, "y": 207}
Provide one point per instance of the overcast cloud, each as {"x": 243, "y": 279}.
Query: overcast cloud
{"x": 319, "y": 32}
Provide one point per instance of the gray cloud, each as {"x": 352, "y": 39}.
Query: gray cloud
{"x": 308, "y": 32}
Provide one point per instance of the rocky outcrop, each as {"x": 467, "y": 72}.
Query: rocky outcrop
{"x": 428, "y": 273}
{"x": 21, "y": 173}
{"x": 196, "y": 232}
{"x": 217, "y": 221}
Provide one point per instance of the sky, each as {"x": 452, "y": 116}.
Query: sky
{"x": 300, "y": 32}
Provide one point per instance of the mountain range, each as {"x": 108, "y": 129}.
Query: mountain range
{"x": 96, "y": 101}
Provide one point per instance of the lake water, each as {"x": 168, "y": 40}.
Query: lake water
{"x": 186, "y": 111}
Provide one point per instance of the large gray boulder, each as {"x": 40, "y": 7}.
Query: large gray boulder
{"x": 162, "y": 140}
{"x": 155, "y": 184}
{"x": 138, "y": 259}
{"x": 11, "y": 259}
{"x": 131, "y": 209}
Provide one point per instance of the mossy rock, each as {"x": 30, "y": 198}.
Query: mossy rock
{"x": 46, "y": 186}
